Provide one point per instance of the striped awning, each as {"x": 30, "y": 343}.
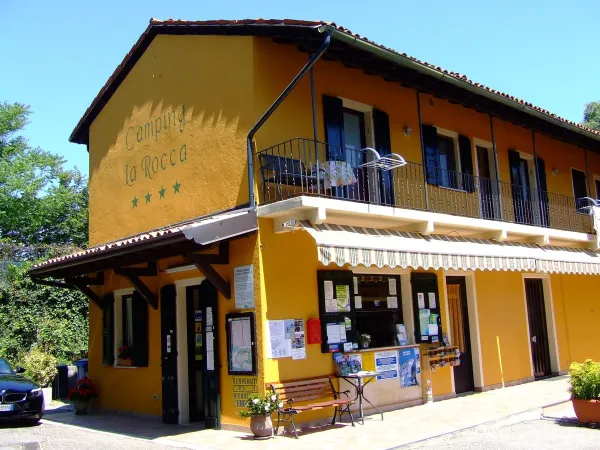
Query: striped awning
{"x": 342, "y": 244}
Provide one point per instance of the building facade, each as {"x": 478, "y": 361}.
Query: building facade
{"x": 230, "y": 249}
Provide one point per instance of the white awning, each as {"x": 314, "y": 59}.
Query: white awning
{"x": 342, "y": 244}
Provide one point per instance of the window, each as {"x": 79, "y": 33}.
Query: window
{"x": 579, "y": 189}
{"x": 597, "y": 183}
{"x": 125, "y": 323}
{"x": 379, "y": 311}
{"x": 447, "y": 161}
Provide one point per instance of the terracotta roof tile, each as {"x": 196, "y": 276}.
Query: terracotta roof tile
{"x": 309, "y": 24}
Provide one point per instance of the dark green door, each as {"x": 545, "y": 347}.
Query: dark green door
{"x": 170, "y": 411}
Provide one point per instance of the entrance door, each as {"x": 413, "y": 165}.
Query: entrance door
{"x": 203, "y": 361}
{"x": 538, "y": 331}
{"x": 459, "y": 333}
{"x": 169, "y": 355}
{"x": 354, "y": 138}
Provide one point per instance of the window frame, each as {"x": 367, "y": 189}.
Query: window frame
{"x": 457, "y": 164}
{"x": 118, "y": 322}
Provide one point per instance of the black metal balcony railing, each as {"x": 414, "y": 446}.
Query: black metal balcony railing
{"x": 307, "y": 167}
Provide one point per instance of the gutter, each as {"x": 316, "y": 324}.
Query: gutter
{"x": 250, "y": 139}
{"x": 422, "y": 68}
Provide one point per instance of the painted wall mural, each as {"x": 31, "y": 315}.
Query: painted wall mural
{"x": 160, "y": 159}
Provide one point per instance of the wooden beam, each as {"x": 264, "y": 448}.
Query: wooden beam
{"x": 220, "y": 258}
{"x": 87, "y": 291}
{"x": 134, "y": 278}
{"x": 151, "y": 270}
{"x": 211, "y": 274}
{"x": 98, "y": 280}
{"x": 53, "y": 283}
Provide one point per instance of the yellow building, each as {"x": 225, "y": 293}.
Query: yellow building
{"x": 237, "y": 242}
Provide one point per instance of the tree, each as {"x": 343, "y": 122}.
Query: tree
{"x": 43, "y": 213}
{"x": 40, "y": 201}
{"x": 591, "y": 116}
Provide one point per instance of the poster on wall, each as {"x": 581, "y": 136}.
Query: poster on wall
{"x": 298, "y": 339}
{"x": 408, "y": 367}
{"x": 243, "y": 285}
{"x": 386, "y": 365}
{"x": 287, "y": 338}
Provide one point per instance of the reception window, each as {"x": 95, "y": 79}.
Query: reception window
{"x": 378, "y": 308}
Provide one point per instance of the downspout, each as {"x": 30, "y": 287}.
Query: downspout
{"x": 423, "y": 152}
{"x": 497, "y": 168}
{"x": 537, "y": 175}
{"x": 250, "y": 139}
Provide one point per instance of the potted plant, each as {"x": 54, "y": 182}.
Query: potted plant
{"x": 124, "y": 356}
{"x": 81, "y": 395}
{"x": 364, "y": 340}
{"x": 584, "y": 380}
{"x": 259, "y": 408}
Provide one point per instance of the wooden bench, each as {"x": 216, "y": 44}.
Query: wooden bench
{"x": 314, "y": 394}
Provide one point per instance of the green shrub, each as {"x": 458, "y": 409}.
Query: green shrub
{"x": 39, "y": 366}
{"x": 585, "y": 380}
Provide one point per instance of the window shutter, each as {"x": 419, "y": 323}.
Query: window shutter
{"x": 543, "y": 192}
{"x": 514, "y": 160}
{"x": 333, "y": 112}
{"x": 383, "y": 145}
{"x": 140, "y": 330}
{"x": 466, "y": 163}
{"x": 108, "y": 330}
{"x": 431, "y": 154}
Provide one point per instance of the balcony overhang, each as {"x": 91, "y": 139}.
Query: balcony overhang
{"x": 320, "y": 210}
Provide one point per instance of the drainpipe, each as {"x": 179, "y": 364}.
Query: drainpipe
{"x": 423, "y": 152}
{"x": 497, "y": 168}
{"x": 250, "y": 139}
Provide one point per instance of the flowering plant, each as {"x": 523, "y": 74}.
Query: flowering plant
{"x": 258, "y": 405}
{"x": 124, "y": 352}
{"x": 85, "y": 390}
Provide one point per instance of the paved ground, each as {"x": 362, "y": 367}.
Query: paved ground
{"x": 521, "y": 432}
{"x": 409, "y": 426}
{"x": 48, "y": 436}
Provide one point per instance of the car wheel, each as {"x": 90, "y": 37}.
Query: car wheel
{"x": 33, "y": 422}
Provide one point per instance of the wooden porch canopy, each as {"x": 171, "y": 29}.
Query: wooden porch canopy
{"x": 188, "y": 239}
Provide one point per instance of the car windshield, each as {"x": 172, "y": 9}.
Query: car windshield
{"x": 5, "y": 368}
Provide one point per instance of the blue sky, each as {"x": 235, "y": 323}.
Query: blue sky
{"x": 57, "y": 55}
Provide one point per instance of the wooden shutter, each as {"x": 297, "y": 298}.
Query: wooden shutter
{"x": 108, "y": 330}
{"x": 543, "y": 192}
{"x": 383, "y": 145}
{"x": 431, "y": 154}
{"x": 140, "y": 330}
{"x": 514, "y": 160}
{"x": 333, "y": 112}
{"x": 466, "y": 163}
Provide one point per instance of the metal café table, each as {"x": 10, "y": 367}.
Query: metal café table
{"x": 359, "y": 380}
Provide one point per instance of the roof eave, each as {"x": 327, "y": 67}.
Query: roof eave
{"x": 405, "y": 61}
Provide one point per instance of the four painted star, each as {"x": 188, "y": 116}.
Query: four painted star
{"x": 161, "y": 192}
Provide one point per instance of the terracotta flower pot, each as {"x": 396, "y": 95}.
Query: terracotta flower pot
{"x": 587, "y": 410}
{"x": 81, "y": 406}
{"x": 124, "y": 362}
{"x": 261, "y": 426}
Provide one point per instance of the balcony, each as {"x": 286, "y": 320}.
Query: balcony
{"x": 304, "y": 167}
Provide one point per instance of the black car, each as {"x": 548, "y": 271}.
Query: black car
{"x": 20, "y": 398}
